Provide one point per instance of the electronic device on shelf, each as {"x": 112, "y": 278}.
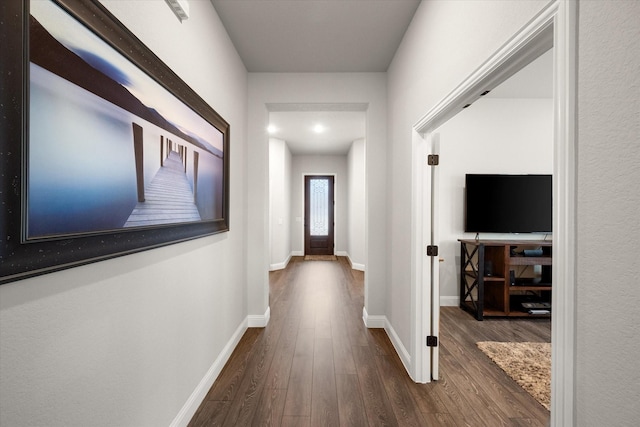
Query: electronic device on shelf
{"x": 532, "y": 252}
{"x": 536, "y": 305}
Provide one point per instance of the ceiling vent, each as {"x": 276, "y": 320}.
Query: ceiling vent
{"x": 180, "y": 8}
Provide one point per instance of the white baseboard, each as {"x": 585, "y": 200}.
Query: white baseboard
{"x": 280, "y": 265}
{"x": 382, "y": 322}
{"x": 447, "y": 301}
{"x": 404, "y": 355}
{"x": 356, "y": 266}
{"x": 373, "y": 322}
{"x": 193, "y": 403}
{"x": 259, "y": 320}
{"x": 297, "y": 253}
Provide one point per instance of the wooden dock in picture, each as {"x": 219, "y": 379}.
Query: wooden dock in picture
{"x": 168, "y": 198}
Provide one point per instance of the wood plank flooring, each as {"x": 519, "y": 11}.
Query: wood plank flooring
{"x": 316, "y": 364}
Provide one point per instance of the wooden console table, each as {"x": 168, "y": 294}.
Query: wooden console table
{"x": 490, "y": 283}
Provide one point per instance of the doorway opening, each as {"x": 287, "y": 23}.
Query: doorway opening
{"x": 326, "y": 140}
{"x": 553, "y": 27}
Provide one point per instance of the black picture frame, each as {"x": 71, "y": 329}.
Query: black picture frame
{"x": 24, "y": 253}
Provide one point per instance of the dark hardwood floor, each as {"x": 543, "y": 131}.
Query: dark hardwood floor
{"x": 315, "y": 364}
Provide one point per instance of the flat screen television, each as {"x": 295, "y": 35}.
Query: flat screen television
{"x": 508, "y": 203}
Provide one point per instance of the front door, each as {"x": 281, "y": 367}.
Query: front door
{"x": 318, "y": 215}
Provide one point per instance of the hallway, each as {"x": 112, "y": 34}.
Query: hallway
{"x": 315, "y": 364}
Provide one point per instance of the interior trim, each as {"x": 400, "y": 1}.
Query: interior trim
{"x": 192, "y": 404}
{"x": 259, "y": 321}
{"x": 563, "y": 321}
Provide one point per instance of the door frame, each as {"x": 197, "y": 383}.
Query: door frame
{"x": 332, "y": 212}
{"x": 555, "y": 25}
{"x": 335, "y": 198}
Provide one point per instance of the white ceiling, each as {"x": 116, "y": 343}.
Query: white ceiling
{"x": 323, "y": 36}
{"x": 340, "y": 129}
{"x": 337, "y": 36}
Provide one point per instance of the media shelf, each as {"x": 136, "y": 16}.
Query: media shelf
{"x": 496, "y": 278}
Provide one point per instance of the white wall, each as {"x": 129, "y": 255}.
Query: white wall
{"x": 504, "y": 136}
{"x": 608, "y": 203}
{"x": 125, "y": 342}
{"x": 445, "y": 43}
{"x": 318, "y": 165}
{"x": 362, "y": 89}
{"x": 279, "y": 203}
{"x": 356, "y": 205}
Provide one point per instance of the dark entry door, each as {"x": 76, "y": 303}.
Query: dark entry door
{"x": 318, "y": 215}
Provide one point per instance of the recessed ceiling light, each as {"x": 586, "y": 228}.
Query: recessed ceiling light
{"x": 318, "y": 128}
{"x": 272, "y": 129}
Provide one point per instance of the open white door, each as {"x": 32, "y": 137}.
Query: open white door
{"x": 426, "y": 288}
{"x": 433, "y": 141}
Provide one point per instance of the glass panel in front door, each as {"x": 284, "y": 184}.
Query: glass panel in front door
{"x": 319, "y": 207}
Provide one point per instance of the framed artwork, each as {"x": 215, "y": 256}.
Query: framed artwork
{"x": 105, "y": 150}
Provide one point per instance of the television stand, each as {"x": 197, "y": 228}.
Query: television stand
{"x": 497, "y": 278}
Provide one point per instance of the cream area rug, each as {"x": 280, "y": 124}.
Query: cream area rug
{"x": 320, "y": 258}
{"x": 528, "y": 363}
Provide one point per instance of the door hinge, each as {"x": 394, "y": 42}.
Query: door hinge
{"x": 432, "y": 341}
{"x": 432, "y": 250}
{"x": 433, "y": 159}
